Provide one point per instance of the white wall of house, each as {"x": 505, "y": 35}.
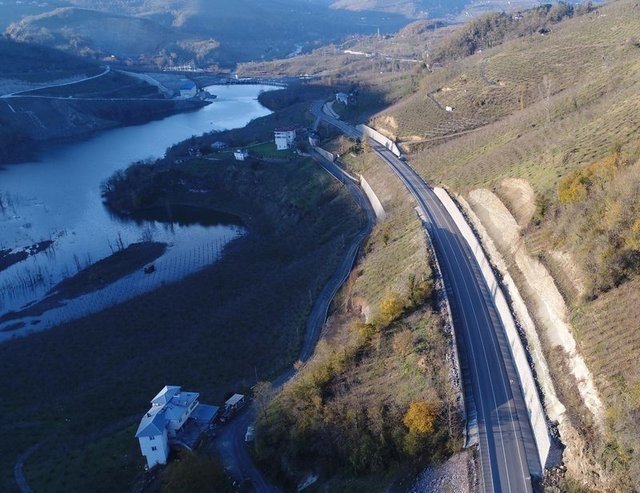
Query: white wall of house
{"x": 241, "y": 155}
{"x": 173, "y": 425}
{"x": 155, "y": 449}
{"x": 285, "y": 139}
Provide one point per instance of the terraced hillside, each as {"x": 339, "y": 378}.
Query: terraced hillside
{"x": 559, "y": 109}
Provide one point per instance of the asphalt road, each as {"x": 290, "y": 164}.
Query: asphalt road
{"x": 230, "y": 443}
{"x": 508, "y": 455}
{"x": 17, "y": 94}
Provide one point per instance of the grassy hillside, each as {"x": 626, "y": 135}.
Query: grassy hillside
{"x": 559, "y": 109}
{"x": 39, "y": 63}
{"x": 371, "y": 407}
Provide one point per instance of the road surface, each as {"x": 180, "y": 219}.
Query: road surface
{"x": 17, "y": 94}
{"x": 229, "y": 443}
{"x": 508, "y": 456}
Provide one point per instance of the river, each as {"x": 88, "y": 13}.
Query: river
{"x": 58, "y": 198}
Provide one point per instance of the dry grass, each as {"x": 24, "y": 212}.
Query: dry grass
{"x": 368, "y": 381}
{"x": 556, "y": 103}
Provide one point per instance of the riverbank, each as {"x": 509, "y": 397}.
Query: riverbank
{"x": 213, "y": 332}
{"x": 9, "y": 257}
{"x": 63, "y": 121}
{"x": 93, "y": 278}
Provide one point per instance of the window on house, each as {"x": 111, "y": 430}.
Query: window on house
{"x": 152, "y": 438}
{"x": 154, "y": 449}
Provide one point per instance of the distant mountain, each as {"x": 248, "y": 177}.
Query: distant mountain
{"x": 89, "y": 32}
{"x": 409, "y": 8}
{"x": 220, "y": 32}
{"x": 180, "y": 31}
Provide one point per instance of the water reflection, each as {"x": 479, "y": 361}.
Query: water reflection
{"x": 58, "y": 199}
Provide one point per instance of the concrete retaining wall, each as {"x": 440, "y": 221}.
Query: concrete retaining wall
{"x": 532, "y": 399}
{"x": 381, "y": 215}
{"x": 325, "y": 154}
{"x": 379, "y": 138}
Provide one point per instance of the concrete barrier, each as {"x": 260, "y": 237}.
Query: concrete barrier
{"x": 325, "y": 154}
{"x": 381, "y": 215}
{"x": 532, "y": 400}
{"x": 380, "y": 139}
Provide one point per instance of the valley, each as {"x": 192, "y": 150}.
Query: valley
{"x": 501, "y": 159}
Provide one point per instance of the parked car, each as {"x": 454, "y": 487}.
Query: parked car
{"x": 249, "y": 436}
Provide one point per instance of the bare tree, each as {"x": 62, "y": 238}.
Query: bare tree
{"x": 545, "y": 94}
{"x": 262, "y": 395}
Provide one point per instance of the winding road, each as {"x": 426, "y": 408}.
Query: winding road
{"x": 22, "y": 93}
{"x": 507, "y": 451}
{"x": 230, "y": 443}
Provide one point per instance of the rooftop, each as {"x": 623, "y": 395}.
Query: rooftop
{"x": 165, "y": 395}
{"x": 152, "y": 423}
{"x": 234, "y": 399}
{"x": 205, "y": 413}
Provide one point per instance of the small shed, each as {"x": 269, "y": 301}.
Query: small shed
{"x": 234, "y": 403}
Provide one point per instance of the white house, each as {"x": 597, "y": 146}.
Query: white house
{"x": 188, "y": 90}
{"x": 285, "y": 138}
{"x": 241, "y": 154}
{"x": 153, "y": 437}
{"x": 342, "y": 97}
{"x": 166, "y": 421}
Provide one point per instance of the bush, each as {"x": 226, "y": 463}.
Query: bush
{"x": 391, "y": 309}
{"x": 421, "y": 417}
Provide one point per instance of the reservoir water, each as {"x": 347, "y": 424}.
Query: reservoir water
{"x": 58, "y": 198}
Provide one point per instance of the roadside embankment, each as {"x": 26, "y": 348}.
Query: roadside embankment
{"x": 543, "y": 319}
{"x": 379, "y": 365}
{"x": 533, "y": 403}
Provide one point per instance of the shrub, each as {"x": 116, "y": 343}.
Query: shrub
{"x": 390, "y": 310}
{"x": 421, "y": 417}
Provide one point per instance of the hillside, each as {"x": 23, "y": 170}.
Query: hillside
{"x": 544, "y": 127}
{"x": 95, "y": 34}
{"x": 39, "y": 63}
{"x": 192, "y": 32}
{"x": 178, "y": 32}
{"x": 410, "y": 8}
{"x": 51, "y": 95}
{"x": 348, "y": 414}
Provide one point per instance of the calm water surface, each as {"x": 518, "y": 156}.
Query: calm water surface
{"x": 58, "y": 198}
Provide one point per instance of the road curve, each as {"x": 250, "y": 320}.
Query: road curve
{"x": 229, "y": 443}
{"x": 18, "y": 93}
{"x": 508, "y": 456}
